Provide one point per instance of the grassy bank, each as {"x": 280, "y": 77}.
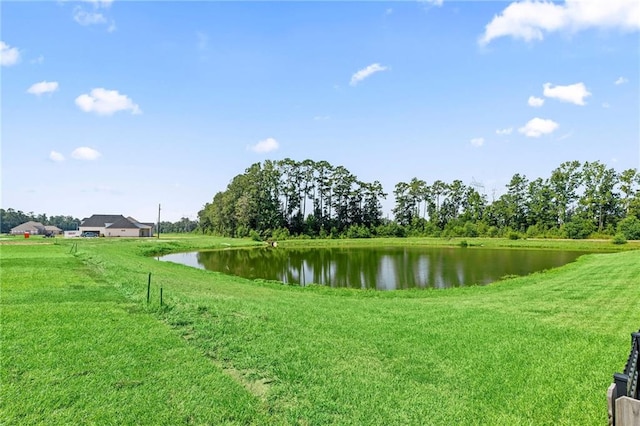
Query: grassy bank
{"x": 79, "y": 341}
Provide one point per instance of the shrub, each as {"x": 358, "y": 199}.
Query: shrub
{"x": 470, "y": 230}
{"x": 534, "y": 231}
{"x": 253, "y": 234}
{"x": 619, "y": 239}
{"x": 513, "y": 235}
{"x": 358, "y": 231}
{"x": 578, "y": 228}
{"x": 390, "y": 229}
{"x": 629, "y": 227}
{"x": 492, "y": 232}
{"x": 334, "y": 232}
{"x": 280, "y": 234}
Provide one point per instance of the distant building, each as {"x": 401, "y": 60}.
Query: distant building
{"x": 52, "y": 229}
{"x": 31, "y": 227}
{"x": 106, "y": 225}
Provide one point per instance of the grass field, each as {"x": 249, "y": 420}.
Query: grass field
{"x": 81, "y": 345}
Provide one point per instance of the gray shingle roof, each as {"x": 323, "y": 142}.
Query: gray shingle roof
{"x": 123, "y": 223}
{"x": 113, "y": 221}
{"x": 28, "y": 226}
{"x": 100, "y": 220}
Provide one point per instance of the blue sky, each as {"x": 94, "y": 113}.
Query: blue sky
{"x": 116, "y": 107}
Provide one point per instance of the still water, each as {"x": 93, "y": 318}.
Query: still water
{"x": 381, "y": 268}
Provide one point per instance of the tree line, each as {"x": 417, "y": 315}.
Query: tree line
{"x": 278, "y": 199}
{"x": 576, "y": 201}
{"x": 10, "y": 218}
{"x": 184, "y": 225}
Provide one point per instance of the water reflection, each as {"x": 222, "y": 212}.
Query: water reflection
{"x": 381, "y": 268}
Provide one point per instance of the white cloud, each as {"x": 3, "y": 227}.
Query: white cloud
{"x": 574, "y": 93}
{"x": 535, "y": 102}
{"x": 432, "y": 2}
{"x": 366, "y": 72}
{"x": 8, "y": 55}
{"x": 506, "y": 131}
{"x": 85, "y": 18}
{"x": 477, "y": 142}
{"x": 266, "y": 145}
{"x": 106, "y": 102}
{"x": 38, "y": 60}
{"x": 95, "y": 16}
{"x": 43, "y": 87}
{"x": 100, "y": 3}
{"x": 621, "y": 80}
{"x": 56, "y": 156}
{"x": 85, "y": 153}
{"x": 529, "y": 20}
{"x": 537, "y": 127}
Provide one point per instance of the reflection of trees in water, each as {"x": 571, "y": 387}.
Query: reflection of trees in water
{"x": 382, "y": 268}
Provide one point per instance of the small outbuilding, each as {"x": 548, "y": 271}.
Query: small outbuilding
{"x": 52, "y": 230}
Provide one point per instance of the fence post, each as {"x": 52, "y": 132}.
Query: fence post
{"x": 149, "y": 288}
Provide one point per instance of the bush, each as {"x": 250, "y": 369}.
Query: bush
{"x": 513, "y": 235}
{"x": 280, "y": 234}
{"x": 253, "y": 234}
{"x": 470, "y": 230}
{"x": 534, "y": 231}
{"x": 629, "y": 227}
{"x": 578, "y": 228}
{"x": 334, "y": 233}
{"x": 619, "y": 239}
{"x": 391, "y": 229}
{"x": 492, "y": 232}
{"x": 358, "y": 231}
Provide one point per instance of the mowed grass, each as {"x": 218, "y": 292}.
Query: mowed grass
{"x": 76, "y": 351}
{"x": 532, "y": 350}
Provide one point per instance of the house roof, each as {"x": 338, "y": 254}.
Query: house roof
{"x": 28, "y": 226}
{"x": 141, "y": 225}
{"x": 101, "y": 220}
{"x": 113, "y": 221}
{"x": 52, "y": 228}
{"x": 124, "y": 223}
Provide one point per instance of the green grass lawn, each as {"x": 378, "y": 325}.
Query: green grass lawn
{"x": 80, "y": 344}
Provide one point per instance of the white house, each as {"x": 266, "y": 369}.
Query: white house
{"x": 116, "y": 226}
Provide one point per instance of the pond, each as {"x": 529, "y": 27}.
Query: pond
{"x": 378, "y": 268}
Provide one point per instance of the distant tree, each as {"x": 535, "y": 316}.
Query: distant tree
{"x": 11, "y": 218}
{"x": 564, "y": 182}
{"x": 539, "y": 205}
{"x": 600, "y": 203}
{"x": 629, "y": 185}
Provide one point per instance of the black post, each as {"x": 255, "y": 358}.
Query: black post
{"x": 160, "y": 296}
{"x": 149, "y": 288}
{"x": 622, "y": 382}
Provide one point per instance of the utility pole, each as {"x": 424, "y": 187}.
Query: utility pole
{"x": 158, "y": 221}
